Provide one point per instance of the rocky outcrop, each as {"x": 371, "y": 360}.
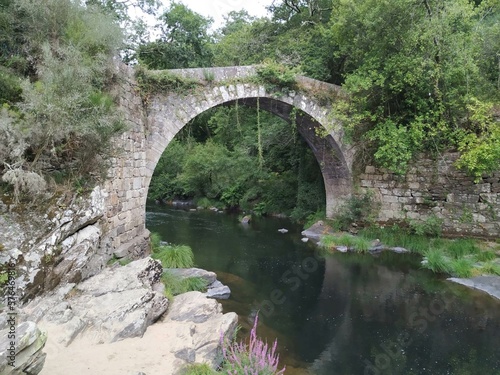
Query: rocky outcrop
{"x": 26, "y": 356}
{"x": 62, "y": 245}
{"x": 487, "y": 284}
{"x": 317, "y": 231}
{"x": 200, "y": 322}
{"x": 118, "y": 303}
{"x": 215, "y": 289}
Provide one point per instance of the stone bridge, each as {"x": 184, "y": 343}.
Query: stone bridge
{"x": 154, "y": 125}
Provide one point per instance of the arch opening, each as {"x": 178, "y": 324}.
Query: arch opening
{"x": 289, "y": 181}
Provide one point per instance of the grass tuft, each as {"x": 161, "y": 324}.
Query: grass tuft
{"x": 175, "y": 285}
{"x": 175, "y": 256}
{"x": 198, "y": 369}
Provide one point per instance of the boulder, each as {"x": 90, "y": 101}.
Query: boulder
{"x": 317, "y": 231}
{"x": 215, "y": 289}
{"x": 200, "y": 321}
{"x": 246, "y": 219}
{"x": 118, "y": 303}
{"x": 218, "y": 290}
{"x": 185, "y": 273}
{"x": 29, "y": 357}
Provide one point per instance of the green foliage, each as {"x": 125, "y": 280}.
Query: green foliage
{"x": 357, "y": 209}
{"x": 356, "y": 243}
{"x": 63, "y": 119}
{"x": 174, "y": 256}
{"x": 416, "y": 79}
{"x": 11, "y": 87}
{"x": 152, "y": 82}
{"x": 462, "y": 247}
{"x": 121, "y": 262}
{"x": 276, "y": 76}
{"x": 314, "y": 218}
{"x": 183, "y": 41}
{"x": 490, "y": 268}
{"x": 485, "y": 256}
{"x": 480, "y": 150}
{"x": 175, "y": 285}
{"x": 437, "y": 261}
{"x": 462, "y": 267}
{"x": 459, "y": 257}
{"x": 430, "y": 227}
{"x": 155, "y": 240}
{"x": 199, "y": 369}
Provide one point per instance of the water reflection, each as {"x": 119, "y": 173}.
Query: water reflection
{"x": 346, "y": 314}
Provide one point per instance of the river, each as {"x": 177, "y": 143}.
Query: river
{"x": 344, "y": 313}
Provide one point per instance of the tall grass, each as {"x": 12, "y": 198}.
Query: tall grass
{"x": 155, "y": 240}
{"x": 458, "y": 257}
{"x": 436, "y": 261}
{"x": 462, "y": 247}
{"x": 175, "y": 285}
{"x": 175, "y": 256}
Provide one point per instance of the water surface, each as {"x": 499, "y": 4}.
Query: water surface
{"x": 343, "y": 314}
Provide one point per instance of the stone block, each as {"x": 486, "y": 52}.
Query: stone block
{"x": 137, "y": 184}
{"x": 390, "y": 199}
{"x": 369, "y": 169}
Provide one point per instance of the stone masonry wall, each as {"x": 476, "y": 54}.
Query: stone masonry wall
{"x": 435, "y": 187}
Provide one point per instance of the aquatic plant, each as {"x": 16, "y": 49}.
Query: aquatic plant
{"x": 256, "y": 358}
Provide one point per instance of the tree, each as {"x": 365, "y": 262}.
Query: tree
{"x": 411, "y": 69}
{"x": 183, "y": 43}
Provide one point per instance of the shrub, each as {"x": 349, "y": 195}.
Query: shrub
{"x": 430, "y": 227}
{"x": 462, "y": 247}
{"x": 255, "y": 358}
{"x": 356, "y": 243}
{"x": 357, "y": 209}
{"x": 175, "y": 256}
{"x": 491, "y": 268}
{"x": 276, "y": 76}
{"x": 485, "y": 256}
{"x": 163, "y": 81}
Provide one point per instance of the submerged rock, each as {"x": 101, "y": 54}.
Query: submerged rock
{"x": 246, "y": 219}
{"x": 283, "y": 230}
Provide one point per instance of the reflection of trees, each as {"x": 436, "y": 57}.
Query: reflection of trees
{"x": 382, "y": 303}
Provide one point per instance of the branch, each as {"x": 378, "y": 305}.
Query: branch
{"x": 292, "y": 5}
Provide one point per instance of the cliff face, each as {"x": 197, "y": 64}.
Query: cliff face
{"x": 64, "y": 244}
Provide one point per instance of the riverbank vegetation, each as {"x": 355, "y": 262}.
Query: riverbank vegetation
{"x": 241, "y": 358}
{"x": 58, "y": 115}
{"x": 175, "y": 256}
{"x": 456, "y": 257}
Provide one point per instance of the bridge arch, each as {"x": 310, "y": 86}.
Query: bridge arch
{"x": 154, "y": 126}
